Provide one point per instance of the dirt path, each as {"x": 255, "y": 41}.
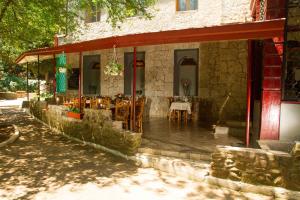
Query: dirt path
{"x": 42, "y": 165}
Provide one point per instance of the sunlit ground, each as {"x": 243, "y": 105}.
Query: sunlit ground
{"x": 42, "y": 165}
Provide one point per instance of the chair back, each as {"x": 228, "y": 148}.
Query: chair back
{"x": 122, "y": 110}
{"x": 139, "y": 107}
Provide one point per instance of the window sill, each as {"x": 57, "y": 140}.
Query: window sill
{"x": 185, "y": 11}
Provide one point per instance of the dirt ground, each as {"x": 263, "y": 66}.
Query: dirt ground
{"x": 5, "y": 132}
{"x": 44, "y": 165}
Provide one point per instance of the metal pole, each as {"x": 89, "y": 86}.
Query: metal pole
{"x": 54, "y": 80}
{"x": 39, "y": 89}
{"x": 133, "y": 91}
{"x": 79, "y": 81}
{"x": 249, "y": 82}
{"x": 27, "y": 89}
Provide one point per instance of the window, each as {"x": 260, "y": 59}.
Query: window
{"x": 93, "y": 14}
{"x": 73, "y": 80}
{"x": 140, "y": 73}
{"x": 91, "y": 75}
{"x": 186, "y": 72}
{"x": 184, "y": 5}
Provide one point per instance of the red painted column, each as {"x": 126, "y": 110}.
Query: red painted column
{"x": 249, "y": 83}
{"x": 79, "y": 80}
{"x": 133, "y": 90}
{"x": 55, "y": 44}
{"x": 272, "y": 70}
{"x": 54, "y": 80}
{"x": 271, "y": 93}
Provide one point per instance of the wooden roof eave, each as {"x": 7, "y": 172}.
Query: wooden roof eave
{"x": 251, "y": 30}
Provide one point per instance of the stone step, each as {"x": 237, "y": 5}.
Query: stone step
{"x": 193, "y": 156}
{"x": 179, "y": 167}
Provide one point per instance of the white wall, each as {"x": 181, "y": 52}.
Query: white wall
{"x": 209, "y": 13}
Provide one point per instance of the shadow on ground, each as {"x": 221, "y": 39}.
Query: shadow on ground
{"x": 44, "y": 165}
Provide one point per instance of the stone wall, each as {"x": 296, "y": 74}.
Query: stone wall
{"x": 96, "y": 126}
{"x": 222, "y": 69}
{"x": 165, "y": 17}
{"x": 257, "y": 166}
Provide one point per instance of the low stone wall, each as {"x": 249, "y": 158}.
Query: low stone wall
{"x": 257, "y": 166}
{"x": 96, "y": 126}
{"x": 8, "y": 95}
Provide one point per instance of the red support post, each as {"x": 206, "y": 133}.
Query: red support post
{"x": 249, "y": 84}
{"x": 54, "y": 80}
{"x": 79, "y": 81}
{"x": 133, "y": 90}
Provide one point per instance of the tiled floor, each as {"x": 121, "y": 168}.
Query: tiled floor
{"x": 169, "y": 135}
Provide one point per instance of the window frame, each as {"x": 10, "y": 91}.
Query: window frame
{"x": 187, "y": 2}
{"x": 92, "y": 16}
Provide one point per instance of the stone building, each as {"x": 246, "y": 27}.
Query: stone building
{"x": 221, "y": 42}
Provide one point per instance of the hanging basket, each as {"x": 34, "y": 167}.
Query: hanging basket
{"x": 113, "y": 68}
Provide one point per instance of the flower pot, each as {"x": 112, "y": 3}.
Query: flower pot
{"x": 75, "y": 115}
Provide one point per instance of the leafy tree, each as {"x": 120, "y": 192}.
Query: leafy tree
{"x": 30, "y": 24}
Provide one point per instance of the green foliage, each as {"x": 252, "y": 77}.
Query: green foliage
{"x": 11, "y": 80}
{"x": 74, "y": 109}
{"x": 113, "y": 68}
{"x": 26, "y": 25}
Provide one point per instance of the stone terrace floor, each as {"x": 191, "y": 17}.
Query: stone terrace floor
{"x": 160, "y": 133}
{"x": 43, "y": 165}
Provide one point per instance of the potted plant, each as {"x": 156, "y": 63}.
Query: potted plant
{"x": 75, "y": 113}
{"x": 113, "y": 68}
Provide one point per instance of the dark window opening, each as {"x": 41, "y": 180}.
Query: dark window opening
{"x": 73, "y": 80}
{"x": 91, "y": 75}
{"x": 186, "y": 72}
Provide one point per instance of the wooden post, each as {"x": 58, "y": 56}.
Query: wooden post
{"x": 79, "y": 81}
{"x": 133, "y": 91}
{"x": 39, "y": 89}
{"x": 249, "y": 84}
{"x": 54, "y": 80}
{"x": 27, "y": 82}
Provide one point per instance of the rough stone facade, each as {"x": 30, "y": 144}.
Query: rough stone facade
{"x": 96, "y": 126}
{"x": 258, "y": 166}
{"x": 222, "y": 70}
{"x": 165, "y": 17}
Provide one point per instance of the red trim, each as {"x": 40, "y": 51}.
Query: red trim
{"x": 253, "y": 8}
{"x": 249, "y": 82}
{"x": 252, "y": 30}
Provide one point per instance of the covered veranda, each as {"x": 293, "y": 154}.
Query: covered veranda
{"x": 189, "y": 135}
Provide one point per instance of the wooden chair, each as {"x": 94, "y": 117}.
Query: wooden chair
{"x": 122, "y": 112}
{"x": 139, "y": 111}
{"x": 93, "y": 103}
{"x": 106, "y": 101}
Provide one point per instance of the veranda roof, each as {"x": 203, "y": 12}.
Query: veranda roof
{"x": 251, "y": 30}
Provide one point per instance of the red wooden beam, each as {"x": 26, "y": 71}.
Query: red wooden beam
{"x": 251, "y": 30}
